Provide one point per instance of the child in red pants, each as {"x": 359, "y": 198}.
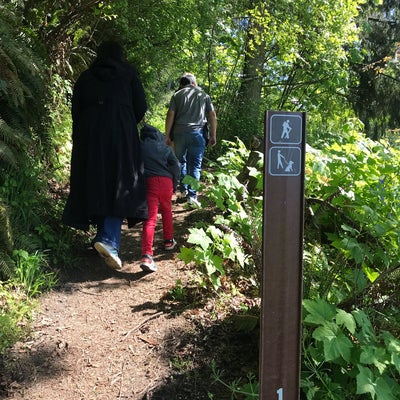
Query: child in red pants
{"x": 162, "y": 170}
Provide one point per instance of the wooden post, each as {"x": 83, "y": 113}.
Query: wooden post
{"x": 282, "y": 256}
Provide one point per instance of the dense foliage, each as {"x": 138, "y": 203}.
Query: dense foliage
{"x": 351, "y": 312}
{"x": 336, "y": 61}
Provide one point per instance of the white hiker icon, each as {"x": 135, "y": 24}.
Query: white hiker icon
{"x": 286, "y": 128}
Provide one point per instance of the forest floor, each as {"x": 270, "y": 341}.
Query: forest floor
{"x": 108, "y": 335}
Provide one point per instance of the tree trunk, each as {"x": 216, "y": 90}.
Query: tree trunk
{"x": 256, "y": 147}
{"x": 249, "y": 96}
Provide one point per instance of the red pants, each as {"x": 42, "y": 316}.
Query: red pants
{"x": 158, "y": 192}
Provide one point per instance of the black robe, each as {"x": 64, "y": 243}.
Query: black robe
{"x": 107, "y": 173}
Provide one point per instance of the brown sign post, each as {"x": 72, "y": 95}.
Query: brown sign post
{"x": 282, "y": 256}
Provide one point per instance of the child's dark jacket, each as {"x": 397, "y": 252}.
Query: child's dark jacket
{"x": 159, "y": 158}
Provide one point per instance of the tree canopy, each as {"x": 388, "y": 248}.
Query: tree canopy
{"x": 249, "y": 55}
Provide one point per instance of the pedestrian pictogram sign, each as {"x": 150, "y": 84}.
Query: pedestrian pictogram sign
{"x": 282, "y": 256}
{"x": 285, "y": 136}
{"x": 284, "y": 161}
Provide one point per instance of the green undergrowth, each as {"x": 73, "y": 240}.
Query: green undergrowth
{"x": 16, "y": 312}
{"x": 351, "y": 308}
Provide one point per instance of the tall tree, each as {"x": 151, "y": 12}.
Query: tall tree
{"x": 376, "y": 93}
{"x": 249, "y": 55}
{"x": 298, "y": 49}
{"x": 248, "y": 100}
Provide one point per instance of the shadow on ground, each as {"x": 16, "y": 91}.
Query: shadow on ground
{"x": 192, "y": 356}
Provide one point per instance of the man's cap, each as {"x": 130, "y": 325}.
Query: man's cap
{"x": 187, "y": 79}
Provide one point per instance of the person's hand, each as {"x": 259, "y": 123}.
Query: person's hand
{"x": 168, "y": 141}
{"x": 212, "y": 141}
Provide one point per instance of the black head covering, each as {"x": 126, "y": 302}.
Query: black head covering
{"x": 110, "y": 49}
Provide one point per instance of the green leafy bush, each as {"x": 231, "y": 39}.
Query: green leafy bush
{"x": 351, "y": 260}
{"x": 15, "y": 313}
{"x": 30, "y": 272}
{"x": 345, "y": 358}
{"x": 212, "y": 249}
{"x": 233, "y": 242}
{"x": 353, "y": 212}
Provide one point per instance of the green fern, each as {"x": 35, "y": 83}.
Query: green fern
{"x": 22, "y": 90}
{"x": 7, "y": 266}
{"x": 12, "y": 87}
{"x": 11, "y": 144}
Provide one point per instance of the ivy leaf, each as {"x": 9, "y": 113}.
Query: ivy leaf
{"x": 370, "y": 273}
{"x": 194, "y": 183}
{"x": 214, "y": 232}
{"x": 199, "y": 237}
{"x": 319, "y": 311}
{"x": 384, "y": 390}
{"x": 379, "y": 229}
{"x": 356, "y": 249}
{"x": 374, "y": 355}
{"x": 213, "y": 264}
{"x": 210, "y": 268}
{"x": 367, "y": 332}
{"x": 396, "y": 361}
{"x": 240, "y": 256}
{"x": 378, "y": 389}
{"x": 346, "y": 319}
{"x": 336, "y": 344}
{"x": 186, "y": 255}
{"x": 392, "y": 343}
{"x": 364, "y": 382}
{"x": 393, "y": 346}
{"x": 216, "y": 281}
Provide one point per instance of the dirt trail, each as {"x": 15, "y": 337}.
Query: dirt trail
{"x": 111, "y": 335}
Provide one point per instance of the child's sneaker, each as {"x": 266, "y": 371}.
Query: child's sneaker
{"x": 169, "y": 244}
{"x": 147, "y": 263}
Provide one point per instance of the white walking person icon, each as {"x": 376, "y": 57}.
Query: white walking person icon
{"x": 280, "y": 158}
{"x": 282, "y": 163}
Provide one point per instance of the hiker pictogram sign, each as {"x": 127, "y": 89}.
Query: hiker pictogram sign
{"x": 286, "y": 129}
{"x": 285, "y": 137}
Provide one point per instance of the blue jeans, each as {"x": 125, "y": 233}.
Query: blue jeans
{"x": 189, "y": 149}
{"x": 109, "y": 231}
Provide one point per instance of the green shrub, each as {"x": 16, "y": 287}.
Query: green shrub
{"x": 15, "y": 314}
{"x": 30, "y": 272}
{"x": 345, "y": 358}
{"x": 231, "y": 246}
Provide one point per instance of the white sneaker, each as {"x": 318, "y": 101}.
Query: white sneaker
{"x": 181, "y": 194}
{"x": 193, "y": 202}
{"x": 109, "y": 254}
{"x": 147, "y": 263}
